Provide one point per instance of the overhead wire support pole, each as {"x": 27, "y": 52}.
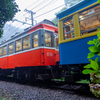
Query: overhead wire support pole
{"x": 32, "y": 13}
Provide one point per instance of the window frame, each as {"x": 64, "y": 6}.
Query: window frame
{"x": 3, "y": 50}
{"x": 52, "y": 39}
{"x": 82, "y": 32}
{"x": 76, "y": 26}
{"x": 33, "y": 39}
{"x": 21, "y": 46}
{"x": 23, "y": 43}
{"x": 64, "y": 26}
{"x": 56, "y": 42}
{"x": 8, "y": 48}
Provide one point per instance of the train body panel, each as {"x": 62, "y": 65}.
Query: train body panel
{"x": 27, "y": 58}
{"x": 4, "y": 63}
{"x": 37, "y": 57}
{"x": 57, "y": 55}
{"x": 75, "y": 52}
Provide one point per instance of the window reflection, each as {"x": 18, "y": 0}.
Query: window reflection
{"x": 90, "y": 20}
{"x": 4, "y": 50}
{"x": 26, "y": 42}
{"x": 68, "y": 27}
{"x": 0, "y": 52}
{"x": 35, "y": 40}
{"x": 10, "y": 48}
{"x": 18, "y": 45}
{"x": 56, "y": 41}
{"x": 48, "y": 39}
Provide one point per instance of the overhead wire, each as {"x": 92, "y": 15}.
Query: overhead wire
{"x": 42, "y": 8}
{"x": 32, "y": 3}
{"x": 46, "y": 5}
{"x": 23, "y": 11}
{"x": 43, "y": 2}
{"x": 39, "y": 4}
{"x": 10, "y": 30}
{"x": 49, "y": 11}
{"x": 36, "y": 5}
{"x": 28, "y": 6}
{"x": 17, "y": 28}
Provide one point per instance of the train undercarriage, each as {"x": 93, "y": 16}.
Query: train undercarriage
{"x": 69, "y": 73}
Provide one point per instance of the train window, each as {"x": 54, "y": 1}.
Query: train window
{"x": 18, "y": 45}
{"x": 11, "y": 48}
{"x": 0, "y": 52}
{"x": 35, "y": 40}
{"x": 68, "y": 28}
{"x": 56, "y": 41}
{"x": 4, "y": 50}
{"x": 48, "y": 39}
{"x": 90, "y": 20}
{"x": 26, "y": 42}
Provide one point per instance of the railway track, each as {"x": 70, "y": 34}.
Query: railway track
{"x": 81, "y": 89}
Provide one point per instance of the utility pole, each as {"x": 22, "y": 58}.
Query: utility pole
{"x": 32, "y": 13}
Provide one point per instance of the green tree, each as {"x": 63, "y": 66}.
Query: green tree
{"x": 55, "y": 19}
{"x": 8, "y": 8}
{"x": 70, "y": 3}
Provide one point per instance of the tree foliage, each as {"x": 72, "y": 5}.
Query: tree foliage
{"x": 8, "y": 8}
{"x": 55, "y": 19}
{"x": 71, "y": 2}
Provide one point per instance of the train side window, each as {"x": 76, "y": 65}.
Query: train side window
{"x": 18, "y": 45}
{"x": 11, "y": 48}
{"x": 90, "y": 20}
{"x": 56, "y": 41}
{"x": 48, "y": 41}
{"x": 35, "y": 40}
{"x": 0, "y": 52}
{"x": 26, "y": 42}
{"x": 68, "y": 28}
{"x": 4, "y": 50}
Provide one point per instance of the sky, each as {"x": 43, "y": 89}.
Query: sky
{"x": 39, "y": 7}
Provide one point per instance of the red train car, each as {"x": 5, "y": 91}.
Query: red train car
{"x": 32, "y": 54}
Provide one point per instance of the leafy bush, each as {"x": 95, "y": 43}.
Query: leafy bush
{"x": 94, "y": 67}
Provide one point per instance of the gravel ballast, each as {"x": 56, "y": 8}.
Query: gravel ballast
{"x": 14, "y": 91}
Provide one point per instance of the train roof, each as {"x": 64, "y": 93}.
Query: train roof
{"x": 46, "y": 21}
{"x": 45, "y": 26}
{"x": 76, "y": 7}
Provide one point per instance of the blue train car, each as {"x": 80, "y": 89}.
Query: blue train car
{"x": 77, "y": 25}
